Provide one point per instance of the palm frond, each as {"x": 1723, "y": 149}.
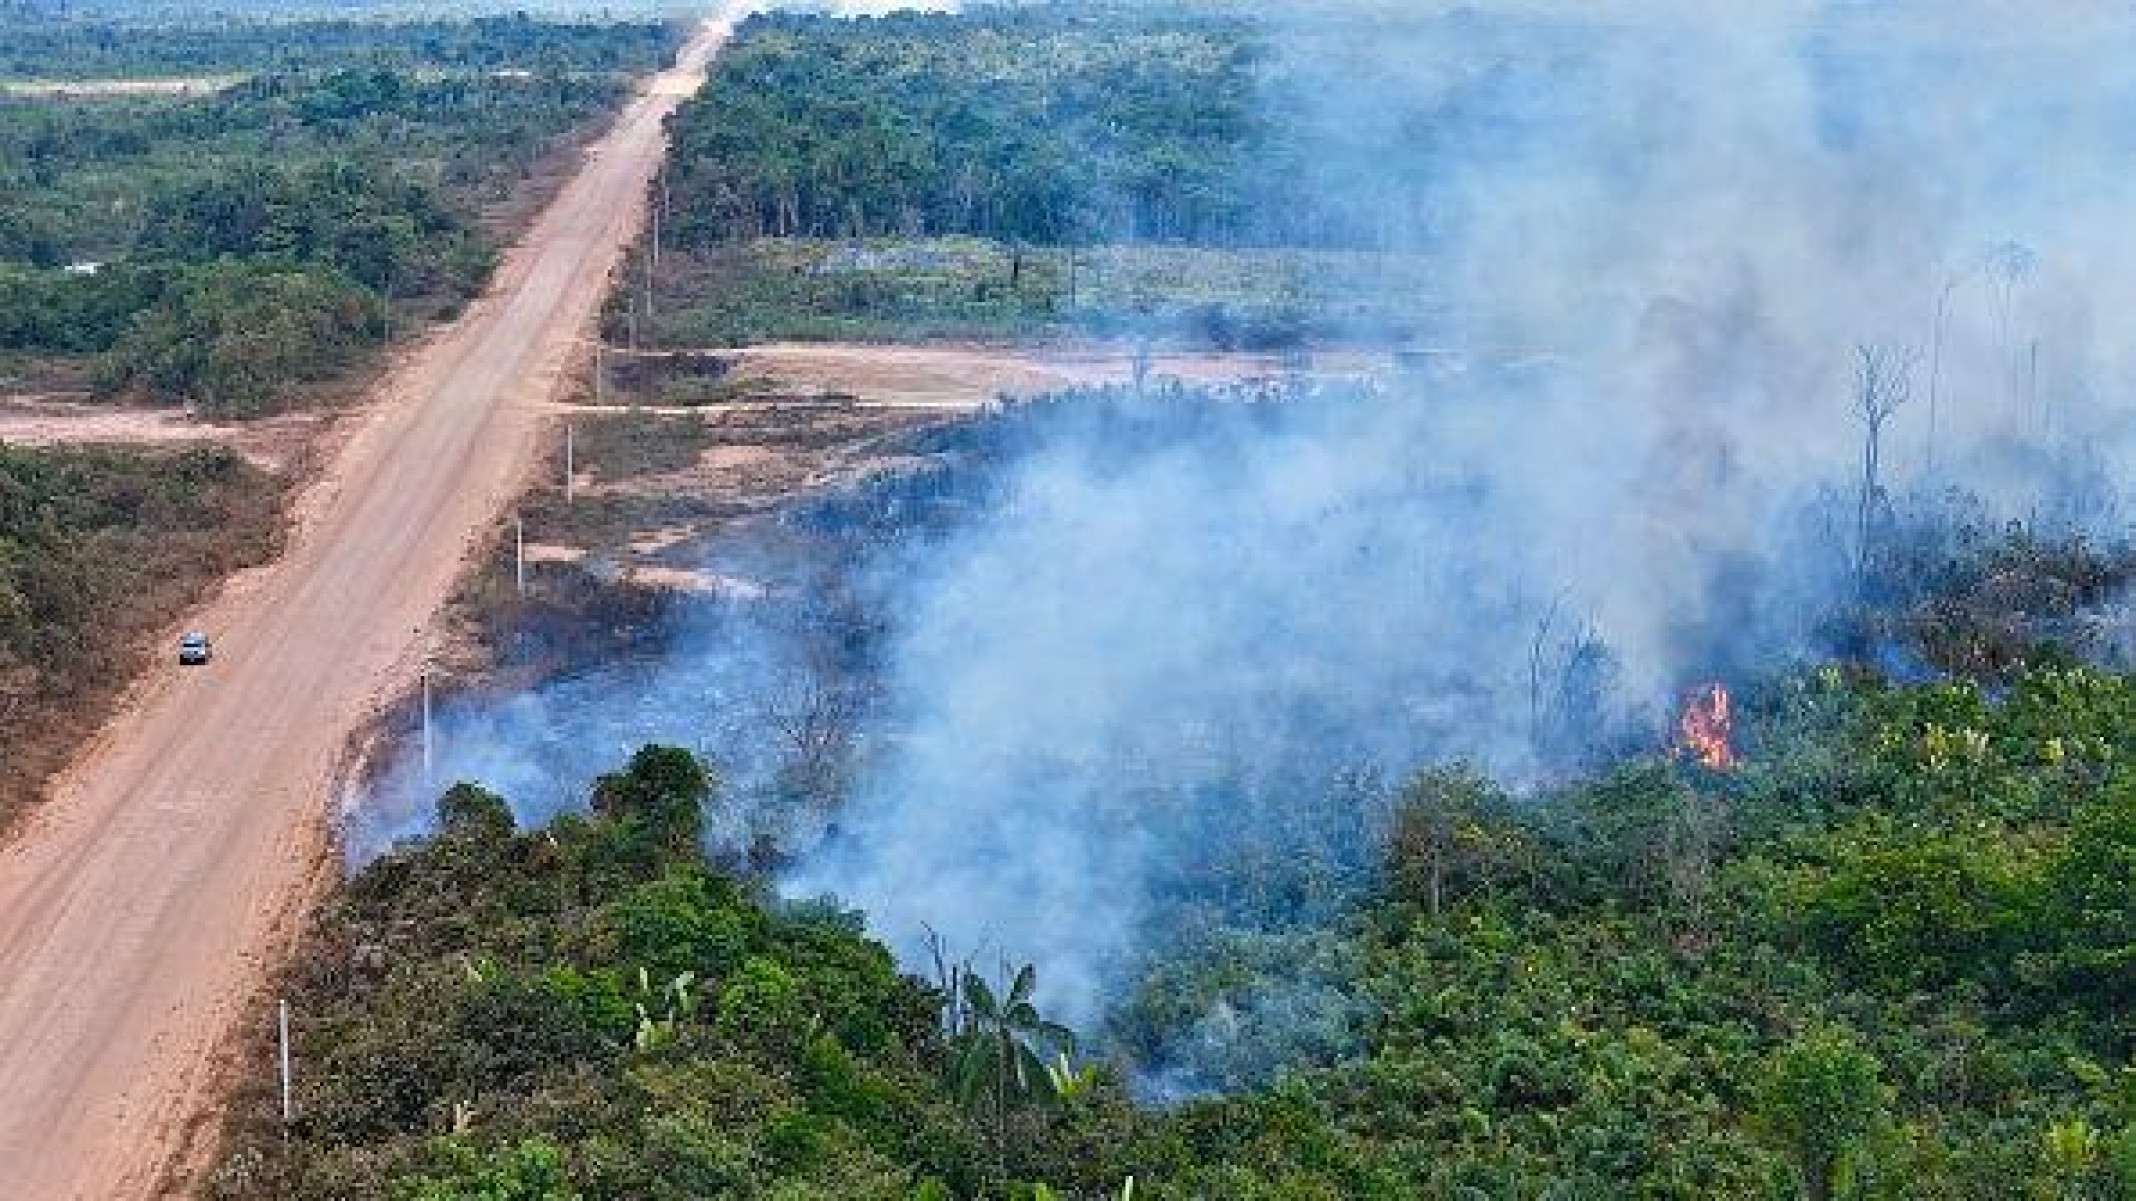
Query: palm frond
{"x": 979, "y": 998}
{"x": 1032, "y": 1078}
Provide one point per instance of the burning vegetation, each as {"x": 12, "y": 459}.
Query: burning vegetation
{"x": 1705, "y": 731}
{"x": 1332, "y": 736}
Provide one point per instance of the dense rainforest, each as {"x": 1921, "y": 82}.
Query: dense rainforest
{"x": 1048, "y": 124}
{"x": 218, "y": 249}
{"x": 1166, "y": 122}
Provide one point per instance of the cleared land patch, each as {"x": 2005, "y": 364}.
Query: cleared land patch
{"x": 964, "y": 288}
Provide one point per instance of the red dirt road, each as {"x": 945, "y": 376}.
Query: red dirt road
{"x": 142, "y": 906}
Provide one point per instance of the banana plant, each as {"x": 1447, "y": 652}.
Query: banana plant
{"x": 681, "y": 1004}
{"x": 1069, "y": 1081}
{"x": 996, "y": 1066}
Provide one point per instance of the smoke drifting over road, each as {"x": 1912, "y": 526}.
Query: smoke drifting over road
{"x": 1638, "y": 464}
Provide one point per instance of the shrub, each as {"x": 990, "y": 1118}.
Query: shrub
{"x": 231, "y": 337}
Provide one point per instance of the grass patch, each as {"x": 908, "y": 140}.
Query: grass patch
{"x": 973, "y": 289}
{"x": 612, "y": 454}
{"x": 632, "y": 445}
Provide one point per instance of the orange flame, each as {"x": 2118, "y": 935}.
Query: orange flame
{"x": 1707, "y": 727}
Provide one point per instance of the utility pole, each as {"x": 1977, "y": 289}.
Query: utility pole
{"x": 570, "y": 465}
{"x": 519, "y": 552}
{"x": 649, "y": 286}
{"x": 427, "y": 757}
{"x": 600, "y": 374}
{"x": 289, "y": 1110}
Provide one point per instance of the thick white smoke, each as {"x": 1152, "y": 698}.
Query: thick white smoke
{"x": 1661, "y": 240}
{"x": 1682, "y": 230}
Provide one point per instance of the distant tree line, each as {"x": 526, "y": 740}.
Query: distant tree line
{"x": 1033, "y": 125}
{"x": 1078, "y": 123}
{"x": 38, "y": 44}
{"x": 66, "y": 167}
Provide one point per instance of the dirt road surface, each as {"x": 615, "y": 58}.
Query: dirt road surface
{"x": 141, "y": 907}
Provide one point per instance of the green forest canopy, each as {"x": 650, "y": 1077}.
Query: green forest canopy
{"x": 337, "y": 192}
{"x": 1046, "y": 125}
{"x": 1891, "y": 957}
{"x": 143, "y": 43}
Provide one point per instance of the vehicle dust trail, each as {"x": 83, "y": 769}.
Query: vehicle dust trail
{"x": 142, "y": 906}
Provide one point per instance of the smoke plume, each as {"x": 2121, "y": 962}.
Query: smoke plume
{"x": 1634, "y": 459}
{"x": 1662, "y": 245}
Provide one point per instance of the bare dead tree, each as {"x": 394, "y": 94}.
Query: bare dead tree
{"x": 2008, "y": 264}
{"x": 807, "y": 713}
{"x": 815, "y": 696}
{"x": 1935, "y": 359}
{"x": 814, "y": 710}
{"x": 1565, "y": 660}
{"x": 1883, "y": 383}
{"x": 1538, "y": 658}
{"x": 949, "y": 979}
